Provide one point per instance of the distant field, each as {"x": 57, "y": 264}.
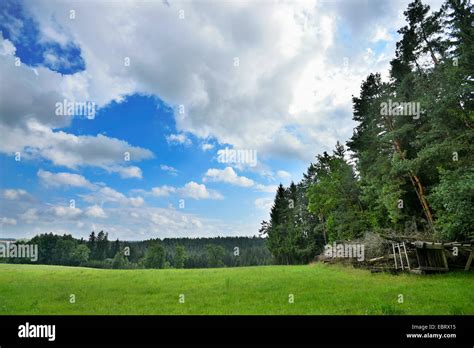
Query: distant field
{"x": 317, "y": 289}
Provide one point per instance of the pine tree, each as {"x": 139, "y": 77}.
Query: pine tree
{"x": 277, "y": 232}
{"x": 423, "y": 33}
{"x": 102, "y": 244}
{"x": 91, "y": 244}
{"x": 334, "y": 198}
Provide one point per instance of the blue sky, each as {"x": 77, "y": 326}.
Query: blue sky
{"x": 171, "y": 85}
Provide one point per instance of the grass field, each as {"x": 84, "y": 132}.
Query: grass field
{"x": 317, "y": 289}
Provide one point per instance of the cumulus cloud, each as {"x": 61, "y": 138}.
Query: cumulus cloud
{"x": 40, "y": 90}
{"x": 108, "y": 194}
{"x": 178, "y": 139}
{"x": 264, "y": 203}
{"x": 13, "y": 194}
{"x": 266, "y": 188}
{"x": 198, "y": 191}
{"x": 125, "y": 172}
{"x": 29, "y": 216}
{"x": 72, "y": 151}
{"x": 66, "y": 212}
{"x": 162, "y": 191}
{"x": 136, "y": 201}
{"x": 207, "y": 147}
{"x": 169, "y": 169}
{"x": 283, "y": 174}
{"x": 6, "y": 47}
{"x": 190, "y": 190}
{"x": 7, "y": 221}
{"x": 64, "y": 179}
{"x": 27, "y": 121}
{"x": 381, "y": 34}
{"x": 227, "y": 175}
{"x": 96, "y": 211}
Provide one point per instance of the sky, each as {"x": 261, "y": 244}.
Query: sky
{"x": 123, "y": 116}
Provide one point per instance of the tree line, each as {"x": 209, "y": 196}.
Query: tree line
{"x": 99, "y": 252}
{"x": 408, "y": 167}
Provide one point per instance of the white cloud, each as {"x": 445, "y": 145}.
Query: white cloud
{"x": 70, "y": 150}
{"x": 96, "y": 211}
{"x": 381, "y": 34}
{"x": 283, "y": 174}
{"x": 198, "y": 191}
{"x": 41, "y": 89}
{"x": 7, "y": 221}
{"x": 13, "y": 194}
{"x": 190, "y": 190}
{"x": 6, "y": 47}
{"x": 162, "y": 191}
{"x": 66, "y": 212}
{"x": 169, "y": 169}
{"x": 29, "y": 216}
{"x": 264, "y": 203}
{"x": 207, "y": 146}
{"x": 64, "y": 179}
{"x": 227, "y": 175}
{"x": 125, "y": 172}
{"x": 27, "y": 120}
{"x": 136, "y": 201}
{"x": 107, "y": 194}
{"x": 266, "y": 188}
{"x": 178, "y": 139}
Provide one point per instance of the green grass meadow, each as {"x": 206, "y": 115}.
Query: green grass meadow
{"x": 316, "y": 289}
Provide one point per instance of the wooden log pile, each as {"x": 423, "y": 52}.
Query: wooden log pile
{"x": 420, "y": 256}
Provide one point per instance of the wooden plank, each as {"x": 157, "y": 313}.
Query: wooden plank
{"x": 468, "y": 263}
{"x": 386, "y": 257}
{"x": 406, "y": 256}
{"x": 400, "y": 253}
{"x": 432, "y": 246}
{"x": 425, "y": 268}
{"x": 394, "y": 256}
{"x": 418, "y": 258}
{"x": 445, "y": 260}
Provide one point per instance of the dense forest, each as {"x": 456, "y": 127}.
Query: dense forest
{"x": 99, "y": 252}
{"x": 408, "y": 168}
